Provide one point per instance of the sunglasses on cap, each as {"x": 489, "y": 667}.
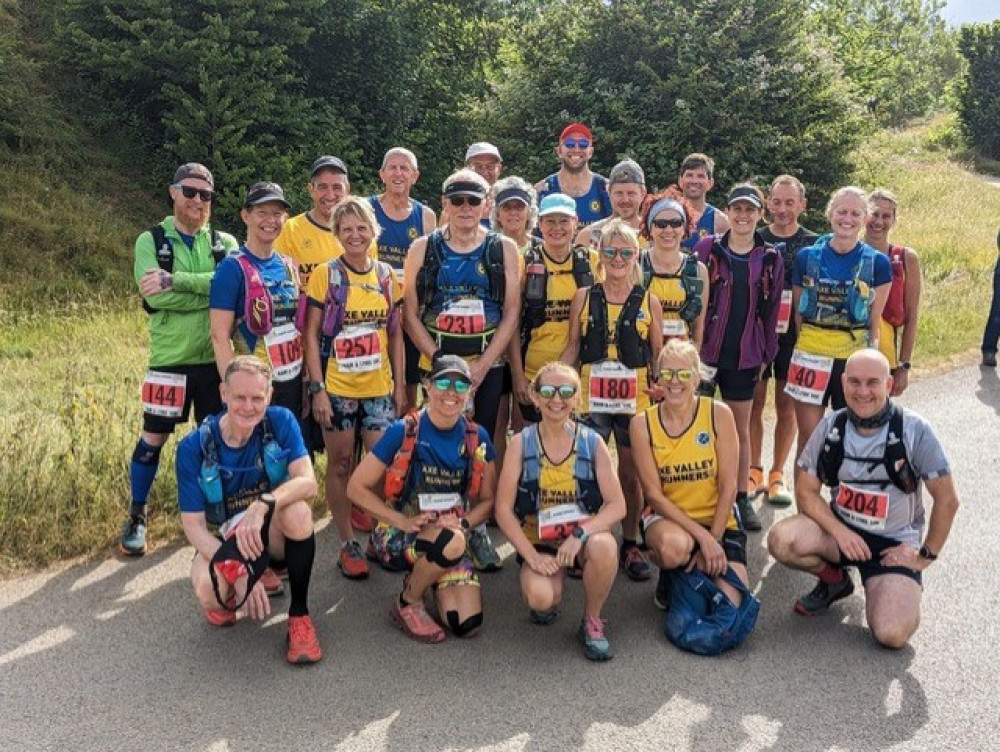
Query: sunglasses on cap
{"x": 576, "y": 143}
{"x": 662, "y": 224}
{"x": 625, "y": 253}
{"x": 458, "y": 385}
{"x": 683, "y": 375}
{"x": 463, "y": 200}
{"x": 548, "y": 391}
{"x": 189, "y": 192}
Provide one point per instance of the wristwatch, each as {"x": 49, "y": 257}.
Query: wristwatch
{"x": 905, "y": 365}
{"x": 580, "y": 534}
{"x": 465, "y": 524}
{"x": 268, "y": 498}
{"x": 315, "y": 387}
{"x": 926, "y": 553}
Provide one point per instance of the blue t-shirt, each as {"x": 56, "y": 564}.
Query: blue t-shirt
{"x": 704, "y": 226}
{"x": 439, "y": 464}
{"x": 241, "y": 469}
{"x": 836, "y": 277}
{"x": 592, "y": 206}
{"x": 396, "y": 236}
{"x": 227, "y": 292}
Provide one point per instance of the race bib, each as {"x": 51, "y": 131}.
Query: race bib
{"x": 784, "y": 312}
{"x": 439, "y": 502}
{"x": 163, "y": 394}
{"x": 462, "y": 317}
{"x": 808, "y": 377}
{"x": 613, "y": 388}
{"x": 557, "y": 523}
{"x": 707, "y": 372}
{"x": 358, "y": 349}
{"x": 865, "y": 509}
{"x": 674, "y": 328}
{"x": 284, "y": 350}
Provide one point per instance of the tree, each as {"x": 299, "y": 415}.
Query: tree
{"x": 979, "y": 89}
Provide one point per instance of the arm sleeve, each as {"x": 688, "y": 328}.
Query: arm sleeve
{"x": 188, "y": 468}
{"x": 390, "y": 443}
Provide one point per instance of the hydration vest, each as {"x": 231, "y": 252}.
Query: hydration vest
{"x": 336, "y": 297}
{"x": 258, "y": 305}
{"x": 588, "y": 492}
{"x": 533, "y": 309}
{"x": 273, "y": 462}
{"x": 895, "y": 305}
{"x": 165, "y": 255}
{"x": 895, "y": 460}
{"x": 768, "y": 290}
{"x": 692, "y": 284}
{"x": 633, "y": 350}
{"x": 859, "y": 296}
{"x": 398, "y": 481}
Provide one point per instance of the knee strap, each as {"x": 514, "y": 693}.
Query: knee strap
{"x": 463, "y": 628}
{"x": 434, "y": 550}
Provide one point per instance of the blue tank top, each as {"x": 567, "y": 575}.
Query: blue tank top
{"x": 705, "y": 226}
{"x": 592, "y": 206}
{"x": 462, "y": 276}
{"x": 396, "y": 236}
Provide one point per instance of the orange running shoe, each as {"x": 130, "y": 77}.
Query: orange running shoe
{"x": 361, "y": 520}
{"x": 416, "y": 622}
{"x": 303, "y": 647}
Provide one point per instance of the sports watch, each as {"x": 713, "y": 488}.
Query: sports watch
{"x": 926, "y": 553}
{"x": 580, "y": 534}
{"x": 315, "y": 387}
{"x": 905, "y": 365}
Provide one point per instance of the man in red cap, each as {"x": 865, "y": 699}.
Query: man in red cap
{"x": 575, "y": 148}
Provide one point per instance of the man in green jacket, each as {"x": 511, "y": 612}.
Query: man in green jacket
{"x": 174, "y": 264}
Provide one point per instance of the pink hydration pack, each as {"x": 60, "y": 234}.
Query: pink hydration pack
{"x": 258, "y": 306}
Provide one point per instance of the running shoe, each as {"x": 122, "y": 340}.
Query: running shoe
{"x": 303, "y": 646}
{"x": 755, "y": 483}
{"x": 415, "y": 622}
{"x": 273, "y": 585}
{"x": 361, "y": 520}
{"x": 818, "y": 600}
{"x": 351, "y": 561}
{"x": 635, "y": 564}
{"x": 484, "y": 556}
{"x": 280, "y": 570}
{"x": 750, "y": 519}
{"x": 221, "y": 617}
{"x": 543, "y": 618}
{"x": 133, "y": 542}
{"x": 595, "y": 644}
{"x": 989, "y": 360}
{"x": 777, "y": 492}
{"x": 661, "y": 599}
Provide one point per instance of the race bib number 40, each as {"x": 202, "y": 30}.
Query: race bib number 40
{"x": 284, "y": 350}
{"x": 784, "y": 312}
{"x": 865, "y": 509}
{"x": 462, "y": 317}
{"x": 808, "y": 377}
{"x": 556, "y": 523}
{"x": 613, "y": 388}
{"x": 358, "y": 349}
{"x": 163, "y": 394}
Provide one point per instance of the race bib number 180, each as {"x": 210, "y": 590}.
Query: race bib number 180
{"x": 163, "y": 394}
{"x": 613, "y": 388}
{"x": 808, "y": 377}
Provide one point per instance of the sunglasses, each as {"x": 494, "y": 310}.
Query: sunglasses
{"x": 625, "y": 253}
{"x": 188, "y": 192}
{"x": 463, "y": 200}
{"x": 548, "y": 391}
{"x": 459, "y": 386}
{"x": 576, "y": 143}
{"x": 662, "y": 224}
{"x": 683, "y": 374}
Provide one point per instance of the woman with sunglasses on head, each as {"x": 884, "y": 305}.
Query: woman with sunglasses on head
{"x": 685, "y": 451}
{"x": 557, "y": 499}
{"x": 673, "y": 275}
{"x": 745, "y": 282}
{"x": 435, "y": 469}
{"x": 615, "y": 326}
{"x": 461, "y": 298}
{"x": 354, "y": 360}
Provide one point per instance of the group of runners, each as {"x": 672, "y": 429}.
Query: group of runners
{"x": 567, "y": 314}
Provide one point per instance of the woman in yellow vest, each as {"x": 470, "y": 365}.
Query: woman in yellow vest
{"x": 354, "y": 360}
{"x": 686, "y": 452}
{"x": 615, "y": 327}
{"x": 557, "y": 499}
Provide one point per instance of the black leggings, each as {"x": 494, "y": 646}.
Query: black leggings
{"x": 487, "y": 400}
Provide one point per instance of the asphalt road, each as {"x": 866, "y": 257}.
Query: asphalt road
{"x": 114, "y": 655}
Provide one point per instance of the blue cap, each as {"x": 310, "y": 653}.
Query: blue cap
{"x": 557, "y": 203}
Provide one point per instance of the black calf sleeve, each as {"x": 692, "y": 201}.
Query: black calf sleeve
{"x": 299, "y": 555}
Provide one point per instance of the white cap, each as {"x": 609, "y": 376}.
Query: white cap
{"x": 482, "y": 148}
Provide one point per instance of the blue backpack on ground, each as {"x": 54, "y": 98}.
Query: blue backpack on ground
{"x": 702, "y": 619}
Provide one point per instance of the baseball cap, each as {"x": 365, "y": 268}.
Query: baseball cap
{"x": 263, "y": 192}
{"x": 193, "y": 170}
{"x": 627, "y": 171}
{"x": 744, "y": 193}
{"x": 557, "y": 203}
{"x": 578, "y": 129}
{"x": 326, "y": 162}
{"x": 453, "y": 364}
{"x": 481, "y": 149}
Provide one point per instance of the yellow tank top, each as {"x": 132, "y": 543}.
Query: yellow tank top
{"x": 556, "y": 485}
{"x": 550, "y": 339}
{"x": 610, "y": 387}
{"x": 688, "y": 463}
{"x": 309, "y": 245}
{"x": 670, "y": 292}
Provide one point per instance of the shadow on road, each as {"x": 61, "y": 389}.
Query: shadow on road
{"x": 988, "y": 390}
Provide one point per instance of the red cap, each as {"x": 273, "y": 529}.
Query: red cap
{"x": 576, "y": 128}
